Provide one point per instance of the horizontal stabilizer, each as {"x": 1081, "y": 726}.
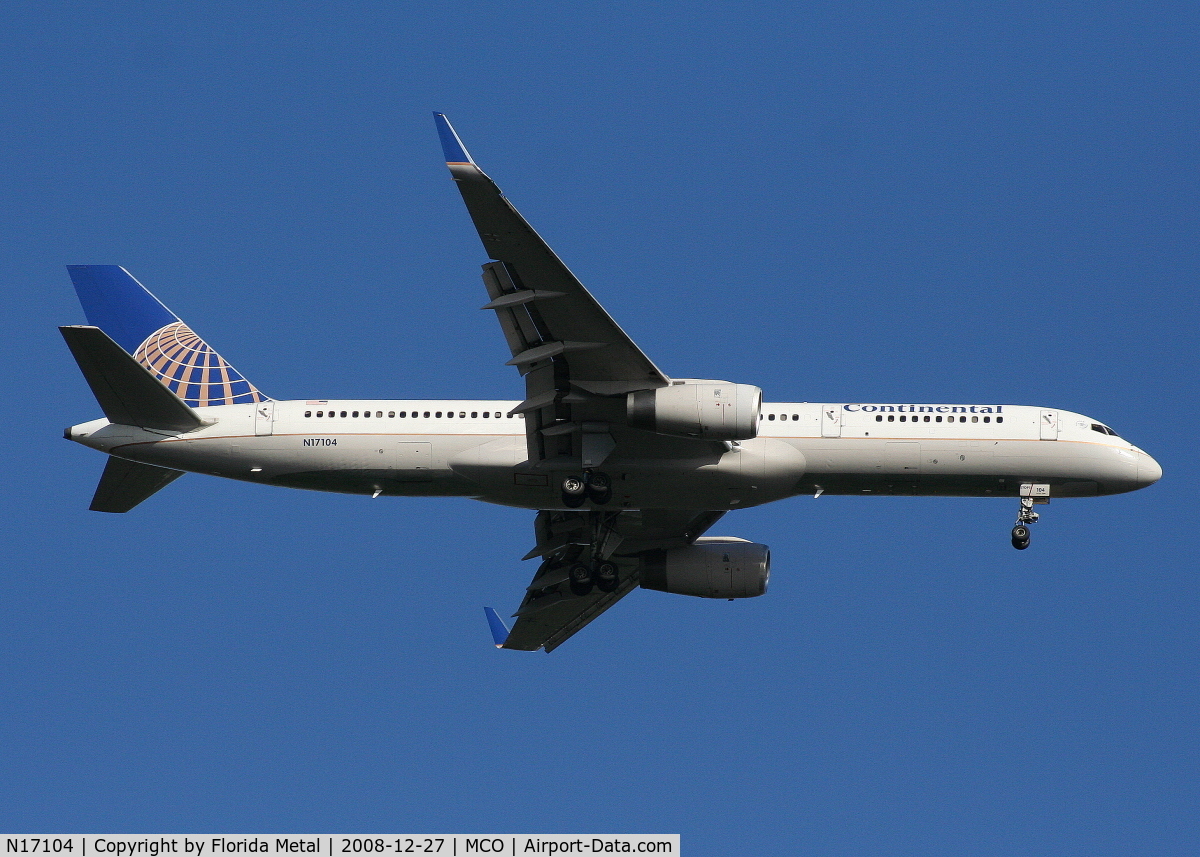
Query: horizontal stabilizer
{"x": 124, "y": 484}
{"x": 126, "y": 391}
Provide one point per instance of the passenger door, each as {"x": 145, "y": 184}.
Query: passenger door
{"x": 1048, "y": 425}
{"x": 831, "y": 420}
{"x": 264, "y": 418}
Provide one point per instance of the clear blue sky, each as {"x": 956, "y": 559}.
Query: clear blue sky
{"x": 835, "y": 201}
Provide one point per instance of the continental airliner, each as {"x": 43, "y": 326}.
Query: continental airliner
{"x": 626, "y": 468}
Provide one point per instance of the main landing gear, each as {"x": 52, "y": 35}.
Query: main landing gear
{"x": 592, "y": 485}
{"x": 603, "y": 575}
{"x": 1030, "y": 494}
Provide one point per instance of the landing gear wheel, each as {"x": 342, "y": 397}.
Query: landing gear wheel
{"x": 574, "y": 492}
{"x": 599, "y": 487}
{"x": 580, "y": 577}
{"x": 606, "y": 576}
{"x": 1020, "y": 537}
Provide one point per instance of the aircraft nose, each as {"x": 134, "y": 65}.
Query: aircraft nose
{"x": 1148, "y": 470}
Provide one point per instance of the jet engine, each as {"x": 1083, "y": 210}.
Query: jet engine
{"x": 710, "y": 568}
{"x": 712, "y": 410}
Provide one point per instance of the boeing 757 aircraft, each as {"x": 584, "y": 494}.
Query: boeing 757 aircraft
{"x": 626, "y": 467}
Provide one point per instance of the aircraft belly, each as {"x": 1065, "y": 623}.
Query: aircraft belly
{"x": 357, "y": 464}
{"x": 758, "y": 471}
{"x": 965, "y": 467}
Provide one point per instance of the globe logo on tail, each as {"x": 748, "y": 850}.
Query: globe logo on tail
{"x": 192, "y": 370}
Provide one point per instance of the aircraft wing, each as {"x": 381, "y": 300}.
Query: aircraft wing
{"x": 568, "y": 348}
{"x": 550, "y": 612}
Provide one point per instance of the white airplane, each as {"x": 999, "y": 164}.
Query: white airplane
{"x": 627, "y": 468}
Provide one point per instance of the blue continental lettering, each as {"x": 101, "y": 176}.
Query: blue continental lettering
{"x": 925, "y": 409}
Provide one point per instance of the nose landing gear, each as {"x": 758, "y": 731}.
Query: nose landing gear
{"x": 1030, "y": 493}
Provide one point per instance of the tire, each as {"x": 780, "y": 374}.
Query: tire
{"x": 579, "y": 573}
{"x": 599, "y": 497}
{"x": 599, "y": 481}
{"x": 1020, "y": 533}
{"x": 606, "y": 576}
{"x": 1020, "y": 544}
{"x": 573, "y": 486}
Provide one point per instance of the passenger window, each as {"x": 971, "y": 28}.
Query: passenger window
{"x": 474, "y": 414}
{"x": 366, "y": 413}
{"x": 999, "y": 419}
{"x": 974, "y": 419}
{"x": 355, "y": 414}
{"x": 308, "y": 413}
{"x": 449, "y": 415}
{"x": 462, "y": 415}
{"x": 891, "y": 418}
{"x": 392, "y": 414}
{"x": 486, "y": 414}
{"x": 427, "y": 415}
{"x": 438, "y": 414}
{"x": 926, "y": 418}
{"x": 344, "y": 414}
{"x": 879, "y": 418}
{"x": 938, "y": 420}
{"x": 962, "y": 419}
{"x": 903, "y": 418}
{"x": 987, "y": 419}
{"x": 771, "y": 417}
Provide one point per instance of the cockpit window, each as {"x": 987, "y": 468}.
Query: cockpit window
{"x": 1104, "y": 430}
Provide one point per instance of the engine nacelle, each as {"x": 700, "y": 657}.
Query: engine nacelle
{"x": 712, "y": 410}
{"x": 710, "y": 568}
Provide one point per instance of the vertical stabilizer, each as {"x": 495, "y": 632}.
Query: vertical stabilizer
{"x": 122, "y": 307}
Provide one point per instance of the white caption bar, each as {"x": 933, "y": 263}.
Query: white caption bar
{"x": 336, "y": 845}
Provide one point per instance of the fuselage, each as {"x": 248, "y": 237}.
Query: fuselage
{"x": 475, "y": 448}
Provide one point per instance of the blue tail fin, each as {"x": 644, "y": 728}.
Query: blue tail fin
{"x": 120, "y": 306}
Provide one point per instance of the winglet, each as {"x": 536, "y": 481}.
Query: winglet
{"x": 499, "y": 629}
{"x": 456, "y": 152}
